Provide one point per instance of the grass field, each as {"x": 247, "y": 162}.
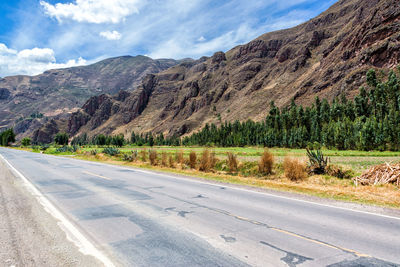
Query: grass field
{"x": 358, "y": 161}
{"x": 318, "y": 185}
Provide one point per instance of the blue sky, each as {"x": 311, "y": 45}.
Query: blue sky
{"x": 36, "y": 35}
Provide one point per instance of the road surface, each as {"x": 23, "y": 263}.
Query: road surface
{"x": 142, "y": 218}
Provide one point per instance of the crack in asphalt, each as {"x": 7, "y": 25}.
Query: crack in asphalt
{"x": 291, "y": 259}
{"x": 227, "y": 213}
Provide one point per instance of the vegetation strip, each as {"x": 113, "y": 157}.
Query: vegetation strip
{"x": 219, "y": 167}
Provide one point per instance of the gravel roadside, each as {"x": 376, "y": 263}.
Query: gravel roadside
{"x": 29, "y": 236}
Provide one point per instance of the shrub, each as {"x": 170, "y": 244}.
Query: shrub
{"x": 112, "y": 151}
{"x": 7, "y": 137}
{"x": 153, "y": 157}
{"x": 93, "y": 152}
{"x": 26, "y": 141}
{"x": 179, "y": 156}
{"x": 205, "y": 161}
{"x": 213, "y": 160}
{"x": 164, "y": 158}
{"x": 134, "y": 154}
{"x": 63, "y": 149}
{"x": 171, "y": 162}
{"x": 337, "y": 171}
{"x": 232, "y": 162}
{"x": 143, "y": 155}
{"x": 248, "y": 168}
{"x": 61, "y": 139}
{"x": 127, "y": 157}
{"x": 266, "y": 163}
{"x": 44, "y": 147}
{"x": 317, "y": 161}
{"x": 192, "y": 160}
{"x": 295, "y": 170}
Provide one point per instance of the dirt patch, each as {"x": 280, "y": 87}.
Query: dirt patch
{"x": 29, "y": 236}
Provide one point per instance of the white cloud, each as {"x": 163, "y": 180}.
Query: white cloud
{"x": 31, "y": 61}
{"x": 114, "y": 35}
{"x": 5, "y": 50}
{"x": 163, "y": 28}
{"x": 38, "y": 55}
{"x": 180, "y": 46}
{"x": 92, "y": 11}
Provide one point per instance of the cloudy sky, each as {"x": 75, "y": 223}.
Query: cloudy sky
{"x": 36, "y": 35}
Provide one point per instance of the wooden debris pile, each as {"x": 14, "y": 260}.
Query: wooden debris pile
{"x": 381, "y": 174}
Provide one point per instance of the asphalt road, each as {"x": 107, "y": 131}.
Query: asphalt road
{"x": 140, "y": 218}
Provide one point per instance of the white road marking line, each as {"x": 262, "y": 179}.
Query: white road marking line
{"x": 73, "y": 234}
{"x": 262, "y": 193}
{"x": 97, "y": 175}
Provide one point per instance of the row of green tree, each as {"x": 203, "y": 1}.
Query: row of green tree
{"x": 7, "y": 137}
{"x": 369, "y": 122}
{"x": 118, "y": 140}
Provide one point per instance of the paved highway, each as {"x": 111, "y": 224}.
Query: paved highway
{"x": 141, "y": 218}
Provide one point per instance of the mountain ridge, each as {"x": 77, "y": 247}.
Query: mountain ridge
{"x": 325, "y": 56}
{"x": 57, "y": 92}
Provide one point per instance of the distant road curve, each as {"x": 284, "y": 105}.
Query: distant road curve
{"x": 143, "y": 218}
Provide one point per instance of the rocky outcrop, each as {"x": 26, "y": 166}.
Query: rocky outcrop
{"x": 45, "y": 134}
{"x": 123, "y": 108}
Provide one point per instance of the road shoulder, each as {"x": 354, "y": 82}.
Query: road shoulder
{"x": 29, "y": 235}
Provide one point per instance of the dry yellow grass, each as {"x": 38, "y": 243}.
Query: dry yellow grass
{"x": 171, "y": 162}
{"x": 153, "y": 157}
{"x": 266, "y": 163}
{"x": 205, "y": 161}
{"x": 179, "y": 157}
{"x": 295, "y": 170}
{"x": 192, "y": 160}
{"x": 164, "y": 158}
{"x": 143, "y": 155}
{"x": 232, "y": 162}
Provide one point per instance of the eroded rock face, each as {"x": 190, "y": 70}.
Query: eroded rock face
{"x": 45, "y": 134}
{"x": 218, "y": 57}
{"x": 77, "y": 120}
{"x": 122, "y": 108}
{"x": 324, "y": 57}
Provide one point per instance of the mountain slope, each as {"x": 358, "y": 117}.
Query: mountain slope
{"x": 325, "y": 57}
{"x": 57, "y": 92}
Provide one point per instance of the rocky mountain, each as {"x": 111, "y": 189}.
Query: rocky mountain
{"x": 56, "y": 93}
{"x": 324, "y": 57}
